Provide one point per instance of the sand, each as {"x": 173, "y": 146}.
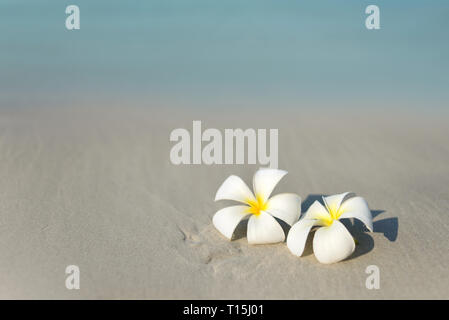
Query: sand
{"x": 94, "y": 187}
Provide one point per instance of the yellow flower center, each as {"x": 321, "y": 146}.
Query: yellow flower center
{"x": 335, "y": 212}
{"x": 334, "y": 215}
{"x": 327, "y": 221}
{"x": 255, "y": 207}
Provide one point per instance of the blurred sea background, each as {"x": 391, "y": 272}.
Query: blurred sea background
{"x": 226, "y": 53}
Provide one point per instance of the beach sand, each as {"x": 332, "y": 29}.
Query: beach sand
{"x": 94, "y": 187}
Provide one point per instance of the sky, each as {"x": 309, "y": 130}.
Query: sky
{"x": 288, "y": 53}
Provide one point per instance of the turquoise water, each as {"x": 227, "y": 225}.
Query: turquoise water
{"x": 287, "y": 51}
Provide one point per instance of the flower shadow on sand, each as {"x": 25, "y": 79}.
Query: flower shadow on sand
{"x": 388, "y": 227}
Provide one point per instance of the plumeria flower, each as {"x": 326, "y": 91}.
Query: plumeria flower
{"x": 262, "y": 226}
{"x": 332, "y": 241}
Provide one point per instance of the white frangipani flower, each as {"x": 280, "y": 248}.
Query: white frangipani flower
{"x": 332, "y": 241}
{"x": 262, "y": 226}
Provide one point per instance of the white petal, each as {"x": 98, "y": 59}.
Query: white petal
{"x": 234, "y": 188}
{"x": 297, "y": 236}
{"x": 333, "y": 202}
{"x": 318, "y": 211}
{"x": 285, "y": 206}
{"x": 332, "y": 244}
{"x": 263, "y": 229}
{"x": 265, "y": 180}
{"x": 227, "y": 219}
{"x": 357, "y": 208}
